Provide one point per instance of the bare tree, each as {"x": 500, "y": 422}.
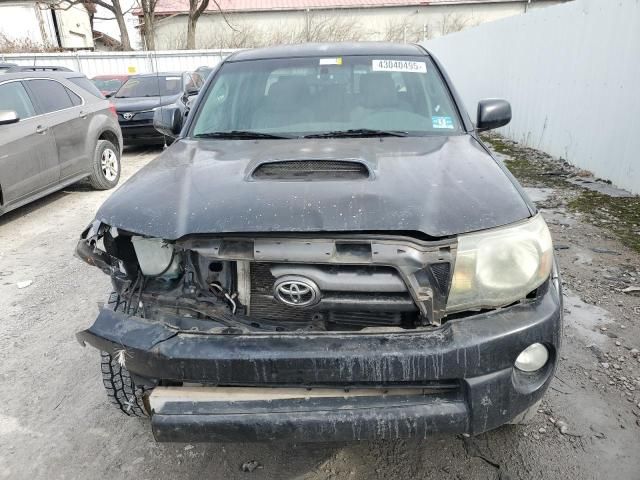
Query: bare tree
{"x": 91, "y": 10}
{"x": 115, "y": 7}
{"x": 454, "y": 22}
{"x": 233, "y": 32}
{"x": 148, "y": 8}
{"x": 335, "y": 27}
{"x": 403, "y": 30}
{"x": 196, "y": 7}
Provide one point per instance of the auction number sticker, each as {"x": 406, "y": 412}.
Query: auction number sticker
{"x": 331, "y": 61}
{"x": 398, "y": 66}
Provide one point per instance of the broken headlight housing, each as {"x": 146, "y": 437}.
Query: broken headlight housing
{"x": 156, "y": 257}
{"x": 497, "y": 267}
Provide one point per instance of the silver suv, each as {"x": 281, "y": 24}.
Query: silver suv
{"x": 56, "y": 128}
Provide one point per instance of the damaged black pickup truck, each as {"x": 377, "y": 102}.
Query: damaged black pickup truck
{"x": 326, "y": 252}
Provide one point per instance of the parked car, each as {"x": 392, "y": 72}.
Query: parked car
{"x": 54, "y": 132}
{"x": 36, "y": 68}
{"x": 6, "y": 66}
{"x": 328, "y": 251}
{"x": 204, "y": 71}
{"x": 109, "y": 84}
{"x": 141, "y": 95}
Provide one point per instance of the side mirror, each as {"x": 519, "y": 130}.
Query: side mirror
{"x": 8, "y": 116}
{"x": 493, "y": 113}
{"x": 192, "y": 91}
{"x": 168, "y": 120}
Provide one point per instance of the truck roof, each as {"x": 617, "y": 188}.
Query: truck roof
{"x": 328, "y": 49}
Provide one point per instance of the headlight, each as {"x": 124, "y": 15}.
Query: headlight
{"x": 500, "y": 266}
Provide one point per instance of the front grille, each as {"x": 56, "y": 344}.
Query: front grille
{"x": 263, "y": 305}
{"x": 311, "y": 170}
{"x": 355, "y": 307}
{"x": 441, "y": 273}
{"x": 366, "y": 318}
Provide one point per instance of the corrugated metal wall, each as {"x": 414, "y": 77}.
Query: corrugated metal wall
{"x": 572, "y": 75}
{"x": 101, "y": 63}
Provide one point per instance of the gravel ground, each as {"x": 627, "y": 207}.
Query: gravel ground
{"x": 55, "y": 421}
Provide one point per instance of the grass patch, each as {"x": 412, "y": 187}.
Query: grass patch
{"x": 620, "y": 215}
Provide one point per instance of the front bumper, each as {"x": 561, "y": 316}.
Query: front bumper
{"x": 465, "y": 368}
{"x": 140, "y": 133}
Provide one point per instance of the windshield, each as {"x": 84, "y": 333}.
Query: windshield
{"x": 151, "y": 86}
{"x": 110, "y": 85}
{"x": 326, "y": 96}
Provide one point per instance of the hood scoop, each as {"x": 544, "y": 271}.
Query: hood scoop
{"x": 311, "y": 170}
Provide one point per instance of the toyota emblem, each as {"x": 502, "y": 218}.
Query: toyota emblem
{"x": 296, "y": 291}
{"x": 127, "y": 116}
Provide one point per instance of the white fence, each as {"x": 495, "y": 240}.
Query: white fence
{"x": 572, "y": 75}
{"x": 101, "y": 63}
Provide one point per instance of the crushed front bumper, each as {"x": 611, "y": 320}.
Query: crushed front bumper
{"x": 464, "y": 369}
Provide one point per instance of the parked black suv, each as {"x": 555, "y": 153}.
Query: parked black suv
{"x": 327, "y": 251}
{"x": 139, "y": 97}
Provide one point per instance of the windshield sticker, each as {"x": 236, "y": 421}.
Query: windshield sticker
{"x": 331, "y": 61}
{"x": 442, "y": 122}
{"x": 398, "y": 66}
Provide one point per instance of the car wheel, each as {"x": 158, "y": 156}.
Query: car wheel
{"x": 106, "y": 166}
{"x": 121, "y": 389}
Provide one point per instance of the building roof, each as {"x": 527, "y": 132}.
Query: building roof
{"x": 328, "y": 50}
{"x": 99, "y": 36}
{"x": 173, "y": 7}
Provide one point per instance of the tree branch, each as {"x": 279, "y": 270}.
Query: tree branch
{"x": 224, "y": 16}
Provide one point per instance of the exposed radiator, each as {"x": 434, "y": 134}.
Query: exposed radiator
{"x": 345, "y": 307}
{"x": 263, "y": 304}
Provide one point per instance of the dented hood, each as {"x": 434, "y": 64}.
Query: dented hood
{"x": 440, "y": 186}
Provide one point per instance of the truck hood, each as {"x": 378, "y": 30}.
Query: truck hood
{"x": 440, "y": 186}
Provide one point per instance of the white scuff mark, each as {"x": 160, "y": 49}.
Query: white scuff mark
{"x": 486, "y": 401}
{"x": 24, "y": 284}
{"x": 120, "y": 357}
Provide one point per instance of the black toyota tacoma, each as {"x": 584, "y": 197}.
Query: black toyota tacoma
{"x": 327, "y": 252}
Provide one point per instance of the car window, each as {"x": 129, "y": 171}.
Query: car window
{"x": 13, "y": 96}
{"x": 108, "y": 85}
{"x": 75, "y": 99}
{"x": 152, "y": 86}
{"x": 88, "y": 85}
{"x": 315, "y": 95}
{"x": 51, "y": 96}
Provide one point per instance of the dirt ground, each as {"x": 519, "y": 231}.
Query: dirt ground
{"x": 56, "y": 422}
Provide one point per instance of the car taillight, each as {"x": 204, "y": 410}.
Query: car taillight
{"x": 112, "y": 109}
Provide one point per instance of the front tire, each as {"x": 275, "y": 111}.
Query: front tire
{"x": 121, "y": 389}
{"x": 106, "y": 166}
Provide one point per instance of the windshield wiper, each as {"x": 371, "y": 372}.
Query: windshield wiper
{"x": 359, "y": 132}
{"x": 248, "y": 134}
